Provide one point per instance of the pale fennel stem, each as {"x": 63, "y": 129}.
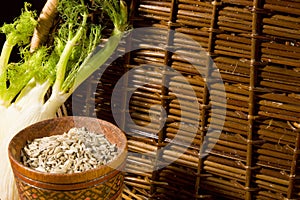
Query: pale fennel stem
{"x": 55, "y": 101}
{"x": 97, "y": 60}
{"x": 62, "y": 63}
{"x": 5, "y": 54}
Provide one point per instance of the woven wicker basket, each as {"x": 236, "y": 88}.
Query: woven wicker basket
{"x": 255, "y": 45}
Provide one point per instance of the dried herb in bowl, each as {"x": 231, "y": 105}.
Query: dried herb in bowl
{"x": 104, "y": 182}
{"x": 74, "y": 151}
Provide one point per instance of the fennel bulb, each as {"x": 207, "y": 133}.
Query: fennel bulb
{"x": 30, "y": 109}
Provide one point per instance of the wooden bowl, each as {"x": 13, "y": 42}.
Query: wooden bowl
{"x": 104, "y": 182}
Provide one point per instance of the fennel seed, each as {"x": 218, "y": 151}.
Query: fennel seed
{"x": 74, "y": 151}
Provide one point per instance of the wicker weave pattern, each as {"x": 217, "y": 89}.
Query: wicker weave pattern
{"x": 256, "y": 47}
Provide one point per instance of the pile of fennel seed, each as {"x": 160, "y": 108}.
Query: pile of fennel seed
{"x": 77, "y": 150}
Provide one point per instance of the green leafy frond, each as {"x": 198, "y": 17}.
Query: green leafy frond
{"x": 19, "y": 74}
{"x": 21, "y": 30}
